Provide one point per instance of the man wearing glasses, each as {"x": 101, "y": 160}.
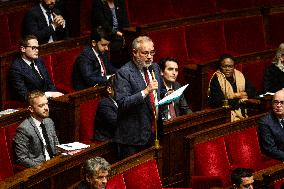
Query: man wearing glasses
{"x": 28, "y": 72}
{"x": 136, "y": 85}
{"x": 271, "y": 129}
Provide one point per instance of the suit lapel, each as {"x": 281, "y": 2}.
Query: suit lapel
{"x": 35, "y": 129}
{"x": 30, "y": 74}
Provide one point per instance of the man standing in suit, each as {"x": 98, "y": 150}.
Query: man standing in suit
{"x": 45, "y": 22}
{"x": 92, "y": 66}
{"x": 35, "y": 139}
{"x": 28, "y": 72}
{"x": 136, "y": 84}
{"x": 169, "y": 73}
{"x": 271, "y": 129}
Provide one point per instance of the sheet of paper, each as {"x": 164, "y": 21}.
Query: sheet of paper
{"x": 73, "y": 146}
{"x": 175, "y": 95}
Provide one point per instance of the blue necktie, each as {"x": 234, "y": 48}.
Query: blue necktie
{"x": 49, "y": 17}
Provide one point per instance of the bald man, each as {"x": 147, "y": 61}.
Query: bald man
{"x": 271, "y": 129}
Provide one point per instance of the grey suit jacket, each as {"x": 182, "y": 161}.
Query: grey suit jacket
{"x": 135, "y": 113}
{"x": 271, "y": 136}
{"x": 28, "y": 144}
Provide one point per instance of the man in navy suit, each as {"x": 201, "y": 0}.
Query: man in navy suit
{"x": 92, "y": 66}
{"x": 45, "y": 22}
{"x": 271, "y": 129}
{"x": 135, "y": 88}
{"x": 28, "y": 72}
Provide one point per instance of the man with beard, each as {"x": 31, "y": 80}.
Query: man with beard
{"x": 28, "y": 72}
{"x": 35, "y": 139}
{"x": 45, "y": 22}
{"x": 92, "y": 66}
{"x": 136, "y": 84}
{"x": 271, "y": 129}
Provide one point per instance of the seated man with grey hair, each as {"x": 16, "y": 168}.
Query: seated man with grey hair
{"x": 96, "y": 171}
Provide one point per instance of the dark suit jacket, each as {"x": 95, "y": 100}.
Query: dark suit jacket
{"x": 180, "y": 105}
{"x": 135, "y": 114}
{"x": 22, "y": 79}
{"x": 271, "y": 136}
{"x": 106, "y": 119}
{"x": 87, "y": 70}
{"x": 102, "y": 16}
{"x": 273, "y": 79}
{"x": 29, "y": 147}
{"x": 34, "y": 23}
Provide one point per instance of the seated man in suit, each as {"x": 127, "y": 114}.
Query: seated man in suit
{"x": 35, "y": 139}
{"x": 242, "y": 178}
{"x": 45, "y": 22}
{"x": 271, "y": 129}
{"x": 169, "y": 73}
{"x": 28, "y": 72}
{"x": 92, "y": 66}
{"x": 96, "y": 172}
{"x": 106, "y": 115}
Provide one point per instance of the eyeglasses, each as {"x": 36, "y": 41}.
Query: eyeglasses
{"x": 228, "y": 66}
{"x": 276, "y": 102}
{"x": 146, "y": 53}
{"x": 33, "y": 47}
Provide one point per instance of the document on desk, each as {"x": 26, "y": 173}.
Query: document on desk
{"x": 175, "y": 95}
{"x": 73, "y": 146}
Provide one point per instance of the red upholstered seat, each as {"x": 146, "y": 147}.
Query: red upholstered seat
{"x": 47, "y": 59}
{"x": 234, "y": 4}
{"x": 170, "y": 43}
{"x": 262, "y": 3}
{"x": 116, "y": 182}
{"x": 275, "y": 21}
{"x": 149, "y": 11}
{"x": 87, "y": 118}
{"x": 143, "y": 176}
{"x": 210, "y": 159}
{"x": 205, "y": 41}
{"x": 85, "y": 16}
{"x": 63, "y": 67}
{"x": 6, "y": 169}
{"x": 15, "y": 24}
{"x": 185, "y": 8}
{"x": 5, "y": 37}
{"x": 254, "y": 72}
{"x": 245, "y": 34}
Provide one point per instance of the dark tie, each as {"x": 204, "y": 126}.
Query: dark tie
{"x": 45, "y": 136}
{"x": 103, "y": 64}
{"x": 37, "y": 74}
{"x": 49, "y": 16}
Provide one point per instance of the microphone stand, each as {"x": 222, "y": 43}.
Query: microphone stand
{"x": 155, "y": 112}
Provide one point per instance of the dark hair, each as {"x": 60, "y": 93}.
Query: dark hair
{"x": 163, "y": 61}
{"x": 99, "y": 33}
{"x": 94, "y": 165}
{"x": 238, "y": 174}
{"x": 24, "y": 40}
{"x": 223, "y": 57}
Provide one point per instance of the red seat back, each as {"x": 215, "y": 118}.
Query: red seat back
{"x": 212, "y": 35}
{"x": 87, "y": 118}
{"x": 63, "y": 67}
{"x": 224, "y": 5}
{"x": 186, "y": 8}
{"x": 5, "y": 37}
{"x": 6, "y": 169}
{"x": 274, "y": 24}
{"x": 143, "y": 176}
{"x": 47, "y": 59}
{"x": 116, "y": 182}
{"x": 211, "y": 159}
{"x": 148, "y": 11}
{"x": 245, "y": 34}
{"x": 85, "y": 16}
